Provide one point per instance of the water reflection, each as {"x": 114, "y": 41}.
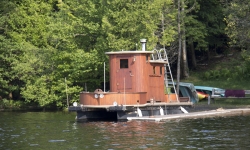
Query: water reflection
{"x": 57, "y": 130}
{"x": 132, "y": 135}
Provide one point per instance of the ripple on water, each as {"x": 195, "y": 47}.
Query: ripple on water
{"x": 15, "y": 135}
{"x": 54, "y": 141}
{"x": 115, "y": 144}
{"x": 209, "y": 133}
{"x": 143, "y": 147}
{"x": 34, "y": 144}
{"x": 66, "y": 130}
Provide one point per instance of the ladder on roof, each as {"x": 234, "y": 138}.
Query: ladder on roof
{"x": 168, "y": 77}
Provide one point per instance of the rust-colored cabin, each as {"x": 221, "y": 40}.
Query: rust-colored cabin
{"x": 134, "y": 71}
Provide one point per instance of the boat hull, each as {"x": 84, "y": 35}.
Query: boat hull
{"x": 121, "y": 113}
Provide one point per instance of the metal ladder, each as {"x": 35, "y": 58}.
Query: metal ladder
{"x": 161, "y": 55}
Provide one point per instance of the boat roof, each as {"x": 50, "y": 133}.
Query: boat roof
{"x": 186, "y": 84}
{"x": 129, "y": 52}
{"x": 161, "y": 61}
{"x": 207, "y": 88}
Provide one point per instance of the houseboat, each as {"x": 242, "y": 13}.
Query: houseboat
{"x": 137, "y": 88}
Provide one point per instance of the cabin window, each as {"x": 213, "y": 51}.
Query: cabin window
{"x": 153, "y": 69}
{"x": 123, "y": 63}
{"x": 160, "y": 70}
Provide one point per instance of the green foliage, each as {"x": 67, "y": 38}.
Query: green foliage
{"x": 43, "y": 42}
{"x": 238, "y": 26}
{"x": 8, "y": 77}
{"x": 127, "y": 22}
{"x": 245, "y": 66}
{"x": 4, "y": 103}
{"x": 205, "y": 25}
{"x": 46, "y": 92}
{"x": 236, "y": 71}
{"x": 224, "y": 73}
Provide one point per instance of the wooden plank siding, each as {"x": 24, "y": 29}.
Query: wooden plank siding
{"x": 112, "y": 73}
{"x": 143, "y": 75}
{"x": 109, "y": 98}
{"x": 156, "y": 85}
{"x": 140, "y": 77}
{"x": 128, "y": 99}
{"x": 138, "y": 73}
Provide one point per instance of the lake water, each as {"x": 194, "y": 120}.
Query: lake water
{"x": 59, "y": 131}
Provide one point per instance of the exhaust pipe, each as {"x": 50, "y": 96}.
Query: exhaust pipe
{"x": 143, "y": 44}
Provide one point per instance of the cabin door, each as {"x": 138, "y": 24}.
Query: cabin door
{"x": 124, "y": 78}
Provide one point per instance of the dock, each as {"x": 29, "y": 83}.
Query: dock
{"x": 220, "y": 112}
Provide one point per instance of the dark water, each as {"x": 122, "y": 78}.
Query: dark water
{"x": 59, "y": 131}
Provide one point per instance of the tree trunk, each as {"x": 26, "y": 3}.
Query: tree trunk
{"x": 10, "y": 96}
{"x": 185, "y": 70}
{"x": 208, "y": 55}
{"x": 179, "y": 49}
{"x": 184, "y": 58}
{"x": 192, "y": 54}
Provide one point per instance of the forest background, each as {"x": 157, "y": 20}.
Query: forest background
{"x": 50, "y": 50}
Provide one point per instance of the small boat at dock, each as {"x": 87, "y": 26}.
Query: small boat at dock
{"x": 137, "y": 88}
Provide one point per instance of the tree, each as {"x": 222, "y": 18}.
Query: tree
{"x": 238, "y": 30}
{"x": 238, "y": 23}
{"x": 167, "y": 31}
{"x": 179, "y": 48}
{"x": 9, "y": 52}
{"x": 33, "y": 28}
{"x": 204, "y": 27}
{"x": 184, "y": 62}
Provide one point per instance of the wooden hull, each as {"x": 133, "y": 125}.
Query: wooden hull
{"x": 108, "y": 98}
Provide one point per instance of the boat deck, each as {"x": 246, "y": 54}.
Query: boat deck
{"x": 141, "y": 105}
{"x": 194, "y": 115}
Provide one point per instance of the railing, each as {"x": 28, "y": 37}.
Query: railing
{"x": 159, "y": 55}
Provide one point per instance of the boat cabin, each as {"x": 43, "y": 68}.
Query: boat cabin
{"x": 134, "y": 72}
